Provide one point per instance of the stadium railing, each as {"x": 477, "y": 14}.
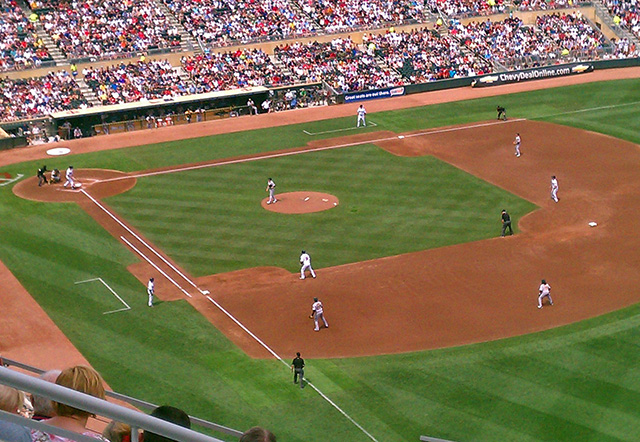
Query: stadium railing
{"x": 135, "y": 419}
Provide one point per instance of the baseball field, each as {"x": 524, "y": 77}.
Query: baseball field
{"x": 434, "y": 328}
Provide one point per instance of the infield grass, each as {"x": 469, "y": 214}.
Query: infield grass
{"x": 579, "y": 382}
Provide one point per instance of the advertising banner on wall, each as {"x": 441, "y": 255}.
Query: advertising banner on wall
{"x": 373, "y": 95}
{"x": 532, "y": 74}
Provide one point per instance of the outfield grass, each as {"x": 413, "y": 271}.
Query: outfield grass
{"x": 579, "y": 382}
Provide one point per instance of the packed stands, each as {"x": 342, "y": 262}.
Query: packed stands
{"x": 345, "y": 15}
{"x": 340, "y": 63}
{"x": 34, "y": 97}
{"x": 552, "y": 36}
{"x": 233, "y": 70}
{"x": 106, "y": 28}
{"x": 423, "y": 55}
{"x": 467, "y": 8}
{"x": 226, "y": 22}
{"x": 129, "y": 82}
{"x": 626, "y": 13}
{"x": 20, "y": 47}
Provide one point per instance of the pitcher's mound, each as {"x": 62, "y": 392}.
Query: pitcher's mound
{"x": 301, "y": 202}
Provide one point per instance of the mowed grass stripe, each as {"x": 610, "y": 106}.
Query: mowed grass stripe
{"x": 388, "y": 205}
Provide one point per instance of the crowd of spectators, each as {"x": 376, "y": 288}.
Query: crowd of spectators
{"x": 212, "y": 71}
{"x": 340, "y": 63}
{"x": 626, "y": 13}
{"x": 543, "y": 5}
{"x": 20, "y": 47}
{"x": 344, "y": 15}
{"x": 467, "y": 8}
{"x": 424, "y": 55}
{"x": 106, "y": 28}
{"x": 226, "y": 22}
{"x": 34, "y": 97}
{"x": 129, "y": 82}
{"x": 553, "y": 37}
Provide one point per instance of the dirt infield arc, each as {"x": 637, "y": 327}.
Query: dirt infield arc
{"x": 454, "y": 295}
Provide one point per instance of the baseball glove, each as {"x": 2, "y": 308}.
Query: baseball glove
{"x": 311, "y": 316}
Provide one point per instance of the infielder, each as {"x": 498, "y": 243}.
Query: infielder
{"x": 150, "y": 290}
{"x": 516, "y": 143}
{"x": 317, "y": 314}
{"x": 305, "y": 261}
{"x": 544, "y": 291}
{"x": 506, "y": 223}
{"x": 69, "y": 176}
{"x": 361, "y": 116}
{"x": 554, "y": 188}
{"x": 271, "y": 188}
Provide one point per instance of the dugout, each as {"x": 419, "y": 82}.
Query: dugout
{"x": 126, "y": 117}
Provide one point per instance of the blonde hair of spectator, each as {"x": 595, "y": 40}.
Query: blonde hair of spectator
{"x": 83, "y": 379}
{"x": 117, "y": 432}
{"x": 11, "y": 400}
{"x": 258, "y": 434}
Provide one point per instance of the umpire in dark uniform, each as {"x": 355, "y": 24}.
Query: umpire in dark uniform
{"x": 297, "y": 366}
{"x": 502, "y": 113}
{"x": 42, "y": 179}
{"x": 506, "y": 223}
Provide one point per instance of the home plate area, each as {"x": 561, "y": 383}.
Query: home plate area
{"x": 301, "y": 202}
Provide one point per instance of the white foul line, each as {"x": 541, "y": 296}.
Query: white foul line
{"x": 266, "y": 347}
{"x": 127, "y": 307}
{"x": 9, "y": 181}
{"x": 155, "y": 266}
{"x": 124, "y": 226}
{"x": 371, "y": 124}
{"x": 249, "y": 332}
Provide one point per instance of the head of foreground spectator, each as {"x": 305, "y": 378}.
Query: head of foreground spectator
{"x": 258, "y": 434}
{"x": 42, "y": 406}
{"x": 117, "y": 432}
{"x": 11, "y": 400}
{"x": 83, "y": 379}
{"x": 169, "y": 414}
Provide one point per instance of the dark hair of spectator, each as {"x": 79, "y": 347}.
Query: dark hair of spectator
{"x": 257, "y": 434}
{"x": 169, "y": 414}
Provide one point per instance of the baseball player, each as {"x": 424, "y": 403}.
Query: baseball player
{"x": 69, "y": 176}
{"x": 297, "y": 367}
{"x": 506, "y": 223}
{"x": 305, "y": 262}
{"x": 361, "y": 116}
{"x": 271, "y": 188}
{"x": 55, "y": 176}
{"x": 554, "y": 188}
{"x": 544, "y": 291}
{"x": 516, "y": 143}
{"x": 317, "y": 313}
{"x": 150, "y": 290}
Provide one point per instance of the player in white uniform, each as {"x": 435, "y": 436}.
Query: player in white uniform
{"x": 317, "y": 313}
{"x": 70, "y": 179}
{"x": 150, "y": 291}
{"x": 544, "y": 291}
{"x": 361, "y": 116}
{"x": 305, "y": 261}
{"x": 271, "y": 188}
{"x": 554, "y": 188}
{"x": 516, "y": 143}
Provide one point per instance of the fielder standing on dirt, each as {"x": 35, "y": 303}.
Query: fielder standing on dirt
{"x": 305, "y": 262}
{"x": 554, "y": 188}
{"x": 516, "y": 143}
{"x": 271, "y": 188}
{"x": 150, "y": 291}
{"x": 544, "y": 292}
{"x": 317, "y": 313}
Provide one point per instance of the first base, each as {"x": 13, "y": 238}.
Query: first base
{"x": 401, "y": 136}
{"x": 593, "y": 224}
